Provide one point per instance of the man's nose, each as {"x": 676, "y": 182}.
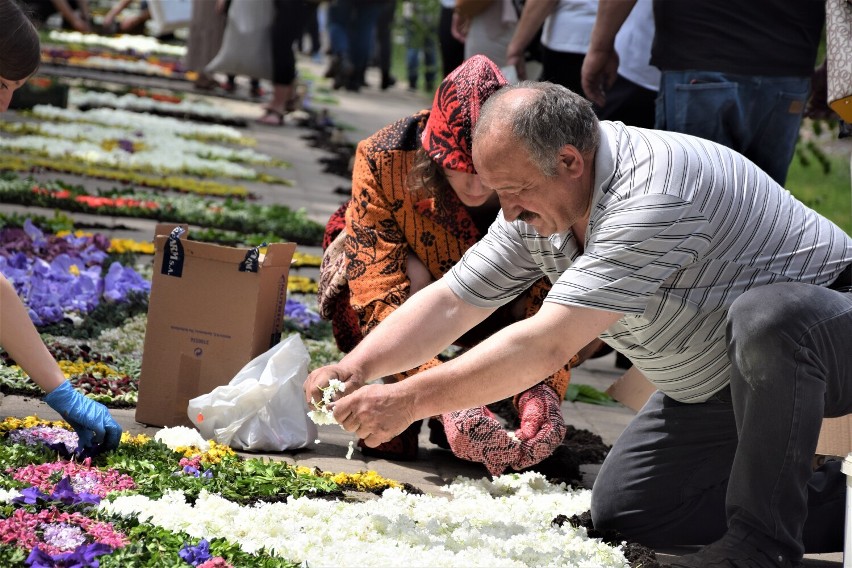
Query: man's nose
{"x": 511, "y": 208}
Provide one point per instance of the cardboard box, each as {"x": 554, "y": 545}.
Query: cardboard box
{"x": 632, "y": 390}
{"x": 212, "y": 309}
{"x": 835, "y": 438}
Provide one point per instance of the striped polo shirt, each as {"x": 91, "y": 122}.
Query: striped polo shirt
{"x": 680, "y": 227}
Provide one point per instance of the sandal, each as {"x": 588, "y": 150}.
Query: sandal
{"x": 271, "y": 117}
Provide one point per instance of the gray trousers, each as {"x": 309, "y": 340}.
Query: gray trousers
{"x": 681, "y": 474}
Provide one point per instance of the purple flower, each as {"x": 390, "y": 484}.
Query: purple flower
{"x": 121, "y": 281}
{"x": 189, "y": 470}
{"x": 30, "y": 496}
{"x": 35, "y": 234}
{"x": 195, "y": 555}
{"x": 64, "y": 492}
{"x": 82, "y": 557}
{"x": 298, "y": 312}
{"x": 126, "y": 145}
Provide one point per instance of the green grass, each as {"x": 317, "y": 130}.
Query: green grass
{"x": 828, "y": 192}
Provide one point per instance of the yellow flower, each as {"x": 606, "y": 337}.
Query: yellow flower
{"x": 301, "y": 284}
{"x": 363, "y": 480}
{"x": 80, "y": 367}
{"x": 12, "y": 423}
{"x": 119, "y": 246}
{"x": 137, "y": 440}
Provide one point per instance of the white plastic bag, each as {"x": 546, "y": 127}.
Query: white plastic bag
{"x": 263, "y": 407}
{"x": 247, "y": 43}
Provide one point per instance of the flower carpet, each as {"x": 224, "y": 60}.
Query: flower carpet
{"x": 178, "y": 500}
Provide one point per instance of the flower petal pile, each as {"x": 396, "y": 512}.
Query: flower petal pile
{"x": 144, "y": 505}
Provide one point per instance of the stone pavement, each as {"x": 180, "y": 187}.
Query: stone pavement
{"x": 313, "y": 189}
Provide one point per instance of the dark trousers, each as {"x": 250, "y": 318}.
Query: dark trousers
{"x": 452, "y": 50}
{"x": 681, "y": 474}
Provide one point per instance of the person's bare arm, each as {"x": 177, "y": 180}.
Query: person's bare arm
{"x": 600, "y": 66}
{"x": 116, "y": 9}
{"x": 533, "y": 15}
{"x": 419, "y": 329}
{"x": 512, "y": 360}
{"x": 21, "y": 340}
{"x": 77, "y": 21}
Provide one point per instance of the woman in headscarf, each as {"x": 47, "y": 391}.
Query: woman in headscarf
{"x": 417, "y": 206}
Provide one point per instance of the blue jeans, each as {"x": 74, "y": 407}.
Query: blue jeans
{"x": 682, "y": 474}
{"x": 757, "y": 116}
{"x": 351, "y": 29}
{"x": 412, "y": 60}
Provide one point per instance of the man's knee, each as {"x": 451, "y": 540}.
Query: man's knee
{"x": 767, "y": 308}
{"x": 767, "y": 322}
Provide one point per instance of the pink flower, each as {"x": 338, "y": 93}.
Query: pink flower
{"x": 51, "y": 530}
{"x": 216, "y": 562}
{"x": 84, "y": 477}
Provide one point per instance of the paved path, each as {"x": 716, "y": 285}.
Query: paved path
{"x": 314, "y": 190}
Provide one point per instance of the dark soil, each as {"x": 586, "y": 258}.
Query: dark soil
{"x": 636, "y": 554}
{"x": 327, "y": 136}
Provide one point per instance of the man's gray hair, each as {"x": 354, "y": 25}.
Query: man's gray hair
{"x": 555, "y": 116}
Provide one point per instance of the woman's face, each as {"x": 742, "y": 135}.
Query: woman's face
{"x": 468, "y": 188}
{"x": 8, "y": 87}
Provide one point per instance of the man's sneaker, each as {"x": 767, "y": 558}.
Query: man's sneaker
{"x": 741, "y": 548}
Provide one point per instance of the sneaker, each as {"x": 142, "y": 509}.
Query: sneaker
{"x": 739, "y": 548}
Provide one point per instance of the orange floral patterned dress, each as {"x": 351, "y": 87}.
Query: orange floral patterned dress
{"x": 384, "y": 223}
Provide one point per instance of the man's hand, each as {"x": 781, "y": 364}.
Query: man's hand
{"x": 600, "y": 70}
{"x": 375, "y": 413}
{"x": 96, "y": 429}
{"x": 542, "y": 426}
{"x": 320, "y": 378}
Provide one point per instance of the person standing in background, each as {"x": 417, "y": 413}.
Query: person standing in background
{"x": 421, "y": 28}
{"x": 352, "y": 28}
{"x": 631, "y": 98}
{"x": 287, "y": 24}
{"x": 736, "y": 73}
{"x": 75, "y": 13}
{"x": 452, "y": 49}
{"x": 384, "y": 42}
{"x": 564, "y": 39}
{"x": 489, "y": 26}
{"x": 206, "y": 29}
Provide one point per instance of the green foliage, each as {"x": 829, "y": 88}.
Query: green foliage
{"x": 588, "y": 394}
{"x": 156, "y": 469}
{"x": 20, "y": 455}
{"x": 230, "y": 214}
{"x": 819, "y": 177}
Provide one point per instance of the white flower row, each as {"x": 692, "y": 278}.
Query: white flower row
{"x": 136, "y": 103}
{"x": 161, "y": 159}
{"x": 122, "y": 43}
{"x": 139, "y": 66}
{"x": 152, "y": 139}
{"x": 128, "y": 119}
{"x": 506, "y": 522}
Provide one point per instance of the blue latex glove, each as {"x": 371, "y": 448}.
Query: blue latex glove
{"x": 96, "y": 429}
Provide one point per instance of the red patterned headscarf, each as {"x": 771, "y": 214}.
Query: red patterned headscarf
{"x": 448, "y": 135}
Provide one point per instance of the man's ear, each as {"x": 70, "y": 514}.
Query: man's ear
{"x": 571, "y": 159}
